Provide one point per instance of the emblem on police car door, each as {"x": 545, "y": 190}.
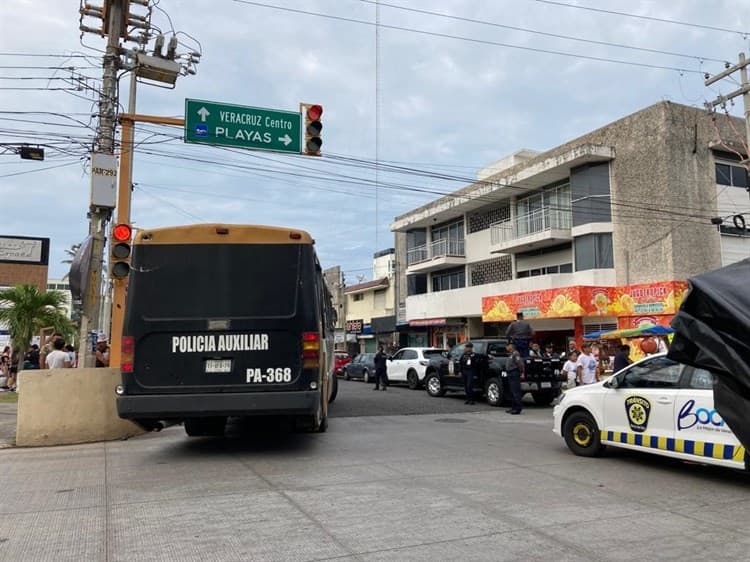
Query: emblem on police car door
{"x": 638, "y": 410}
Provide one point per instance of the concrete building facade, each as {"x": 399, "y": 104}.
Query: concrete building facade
{"x": 600, "y": 232}
{"x": 370, "y": 313}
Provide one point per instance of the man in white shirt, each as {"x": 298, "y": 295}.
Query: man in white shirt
{"x": 57, "y": 358}
{"x": 586, "y": 366}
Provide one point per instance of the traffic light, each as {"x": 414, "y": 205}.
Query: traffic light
{"x": 313, "y": 127}
{"x": 119, "y": 251}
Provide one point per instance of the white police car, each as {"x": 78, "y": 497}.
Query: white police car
{"x": 655, "y": 405}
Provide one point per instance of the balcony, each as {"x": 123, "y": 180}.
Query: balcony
{"x": 538, "y": 229}
{"x": 438, "y": 254}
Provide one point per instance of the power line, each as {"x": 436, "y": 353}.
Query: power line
{"x": 44, "y": 55}
{"x": 543, "y": 33}
{"x": 474, "y": 40}
{"x": 649, "y": 18}
{"x": 38, "y": 170}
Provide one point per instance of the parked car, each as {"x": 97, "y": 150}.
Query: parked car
{"x": 543, "y": 378}
{"x": 361, "y": 367}
{"x": 409, "y": 364}
{"x": 657, "y": 406}
{"x": 340, "y": 359}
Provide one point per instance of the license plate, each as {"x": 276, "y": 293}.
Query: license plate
{"x": 218, "y": 365}
{"x": 546, "y": 385}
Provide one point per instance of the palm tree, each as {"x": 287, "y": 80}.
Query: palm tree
{"x": 25, "y": 310}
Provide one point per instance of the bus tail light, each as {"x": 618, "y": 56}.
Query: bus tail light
{"x": 126, "y": 354}
{"x": 310, "y": 350}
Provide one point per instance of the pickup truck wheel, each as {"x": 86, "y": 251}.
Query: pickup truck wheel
{"x": 493, "y": 389}
{"x": 412, "y": 379}
{"x": 365, "y": 376}
{"x": 433, "y": 385}
{"x": 543, "y": 397}
{"x": 582, "y": 435}
{"x": 198, "y": 427}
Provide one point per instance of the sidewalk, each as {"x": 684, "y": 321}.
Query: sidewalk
{"x": 8, "y": 411}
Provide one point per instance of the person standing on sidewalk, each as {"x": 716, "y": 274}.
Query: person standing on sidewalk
{"x": 519, "y": 333}
{"x": 515, "y": 368}
{"x": 57, "y": 358}
{"x": 586, "y": 366}
{"x": 381, "y": 369}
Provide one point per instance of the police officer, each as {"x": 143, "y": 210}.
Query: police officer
{"x": 469, "y": 366}
{"x": 381, "y": 369}
{"x": 520, "y": 333}
{"x": 514, "y": 367}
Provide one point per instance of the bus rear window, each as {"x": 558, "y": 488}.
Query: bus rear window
{"x": 217, "y": 280}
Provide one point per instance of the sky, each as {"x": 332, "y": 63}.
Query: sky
{"x": 433, "y": 93}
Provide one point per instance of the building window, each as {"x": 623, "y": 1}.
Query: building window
{"x": 416, "y": 285}
{"x": 447, "y": 280}
{"x": 358, "y": 297}
{"x": 448, "y": 240}
{"x": 594, "y": 251}
{"x": 589, "y": 186}
{"x": 380, "y": 299}
{"x": 729, "y": 174}
{"x": 546, "y": 270}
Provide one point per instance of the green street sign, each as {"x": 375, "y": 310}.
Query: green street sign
{"x": 208, "y": 122}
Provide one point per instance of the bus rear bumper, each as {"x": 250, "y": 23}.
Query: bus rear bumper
{"x": 181, "y": 406}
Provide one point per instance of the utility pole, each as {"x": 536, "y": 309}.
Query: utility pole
{"x": 743, "y": 90}
{"x": 115, "y": 13}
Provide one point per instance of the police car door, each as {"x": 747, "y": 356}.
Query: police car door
{"x": 699, "y": 430}
{"x": 454, "y": 376}
{"x": 643, "y": 403}
{"x": 397, "y": 367}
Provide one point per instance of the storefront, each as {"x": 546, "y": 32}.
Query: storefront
{"x": 443, "y": 333}
{"x": 589, "y": 308}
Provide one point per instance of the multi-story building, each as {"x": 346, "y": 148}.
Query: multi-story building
{"x": 370, "y": 316}
{"x": 600, "y": 232}
{"x": 63, "y": 286}
{"x": 334, "y": 280}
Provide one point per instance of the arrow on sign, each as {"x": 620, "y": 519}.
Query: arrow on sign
{"x": 203, "y": 112}
{"x": 286, "y": 139}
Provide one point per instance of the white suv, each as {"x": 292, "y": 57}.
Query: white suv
{"x": 409, "y": 364}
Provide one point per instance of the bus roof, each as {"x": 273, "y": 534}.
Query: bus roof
{"x": 222, "y": 234}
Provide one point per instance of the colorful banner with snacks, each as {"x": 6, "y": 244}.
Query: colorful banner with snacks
{"x": 645, "y": 300}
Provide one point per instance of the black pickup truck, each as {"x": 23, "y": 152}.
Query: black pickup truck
{"x": 543, "y": 377}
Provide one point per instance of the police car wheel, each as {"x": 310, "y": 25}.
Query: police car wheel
{"x": 433, "y": 385}
{"x": 493, "y": 389}
{"x": 582, "y": 435}
{"x": 365, "y": 376}
{"x": 412, "y": 379}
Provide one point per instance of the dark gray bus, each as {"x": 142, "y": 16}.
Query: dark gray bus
{"x": 226, "y": 320}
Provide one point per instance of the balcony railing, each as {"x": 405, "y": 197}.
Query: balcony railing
{"x": 435, "y": 249}
{"x": 537, "y": 221}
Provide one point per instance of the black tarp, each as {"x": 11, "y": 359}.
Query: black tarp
{"x": 712, "y": 331}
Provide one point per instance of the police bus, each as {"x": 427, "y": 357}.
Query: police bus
{"x": 226, "y": 320}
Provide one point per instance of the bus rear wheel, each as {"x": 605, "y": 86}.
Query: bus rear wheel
{"x": 200, "y": 427}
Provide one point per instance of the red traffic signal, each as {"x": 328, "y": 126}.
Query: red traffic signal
{"x": 119, "y": 254}
{"x": 122, "y": 232}
{"x": 313, "y": 128}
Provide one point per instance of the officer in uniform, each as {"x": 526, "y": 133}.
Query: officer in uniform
{"x": 514, "y": 367}
{"x": 469, "y": 367}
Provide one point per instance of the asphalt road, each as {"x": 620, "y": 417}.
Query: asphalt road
{"x": 474, "y": 484}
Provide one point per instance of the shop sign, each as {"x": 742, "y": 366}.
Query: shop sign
{"x": 354, "y": 326}
{"x": 427, "y": 322}
{"x": 578, "y": 301}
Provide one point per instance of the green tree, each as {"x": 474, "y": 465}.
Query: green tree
{"x": 25, "y": 310}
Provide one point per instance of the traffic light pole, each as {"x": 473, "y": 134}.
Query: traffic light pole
{"x": 124, "y": 186}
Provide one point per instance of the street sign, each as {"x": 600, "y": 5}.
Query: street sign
{"x": 208, "y": 122}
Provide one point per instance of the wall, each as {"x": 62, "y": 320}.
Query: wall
{"x": 65, "y": 406}
{"x": 12, "y": 274}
